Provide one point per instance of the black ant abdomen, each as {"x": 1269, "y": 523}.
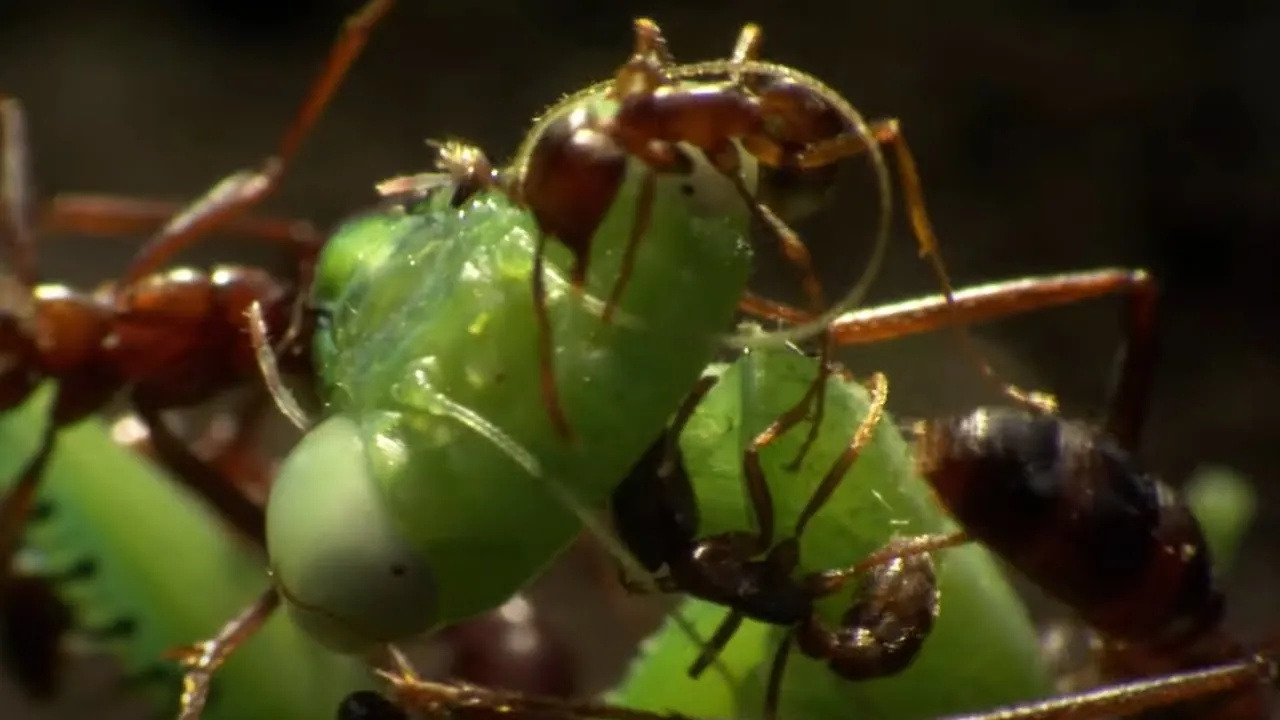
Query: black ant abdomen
{"x": 1071, "y": 509}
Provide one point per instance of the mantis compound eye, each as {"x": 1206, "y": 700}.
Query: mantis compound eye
{"x": 345, "y": 575}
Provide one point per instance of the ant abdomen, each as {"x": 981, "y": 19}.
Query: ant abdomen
{"x": 881, "y": 633}
{"x": 1068, "y": 507}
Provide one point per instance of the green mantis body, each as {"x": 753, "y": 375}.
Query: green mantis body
{"x": 430, "y": 492}
{"x": 982, "y": 651}
{"x": 163, "y": 570}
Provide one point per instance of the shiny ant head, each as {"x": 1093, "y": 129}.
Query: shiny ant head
{"x": 796, "y": 117}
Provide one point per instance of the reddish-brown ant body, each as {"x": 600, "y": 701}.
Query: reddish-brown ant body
{"x": 1064, "y": 502}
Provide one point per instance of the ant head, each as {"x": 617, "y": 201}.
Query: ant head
{"x": 572, "y": 177}
{"x": 797, "y": 117}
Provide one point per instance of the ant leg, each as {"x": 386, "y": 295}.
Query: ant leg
{"x": 18, "y": 502}
{"x": 203, "y": 659}
{"x": 436, "y": 699}
{"x": 827, "y": 582}
{"x": 715, "y": 645}
{"x": 659, "y": 523}
{"x": 280, "y": 394}
{"x": 230, "y": 503}
{"x": 231, "y": 445}
{"x": 879, "y": 387}
{"x": 546, "y": 359}
{"x": 118, "y": 216}
{"x": 241, "y": 191}
{"x": 992, "y": 301}
{"x": 16, "y": 190}
{"x": 1131, "y": 698}
{"x": 773, "y": 690}
{"x": 227, "y": 446}
{"x": 1131, "y": 385}
{"x": 639, "y": 228}
{"x": 888, "y": 132}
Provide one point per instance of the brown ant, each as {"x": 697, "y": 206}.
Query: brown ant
{"x": 572, "y": 165}
{"x": 656, "y": 516}
{"x": 171, "y": 339}
{"x": 1066, "y": 504}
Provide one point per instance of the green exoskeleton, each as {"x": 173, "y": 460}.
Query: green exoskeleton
{"x": 438, "y": 483}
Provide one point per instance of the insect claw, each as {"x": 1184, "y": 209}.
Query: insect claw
{"x": 199, "y": 660}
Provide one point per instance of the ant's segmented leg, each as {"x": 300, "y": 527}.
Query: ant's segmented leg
{"x": 716, "y": 643}
{"x": 827, "y": 582}
{"x": 993, "y": 301}
{"x": 639, "y": 228}
{"x": 239, "y": 192}
{"x": 649, "y": 519}
{"x": 546, "y": 351}
{"x": 203, "y": 659}
{"x": 231, "y": 446}
{"x": 280, "y": 393}
{"x": 643, "y": 73}
{"x": 1131, "y": 698}
{"x": 16, "y": 190}
{"x": 1136, "y": 367}
{"x": 888, "y": 132}
{"x": 228, "y": 501}
{"x": 434, "y": 699}
{"x": 879, "y": 387}
{"x": 118, "y": 216}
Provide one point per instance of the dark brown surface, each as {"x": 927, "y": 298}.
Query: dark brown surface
{"x": 1050, "y": 136}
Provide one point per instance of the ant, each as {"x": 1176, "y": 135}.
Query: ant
{"x": 1062, "y": 501}
{"x": 571, "y": 168}
{"x": 170, "y": 339}
{"x": 889, "y": 616}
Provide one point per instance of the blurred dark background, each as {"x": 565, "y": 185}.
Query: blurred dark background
{"x": 1050, "y": 135}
